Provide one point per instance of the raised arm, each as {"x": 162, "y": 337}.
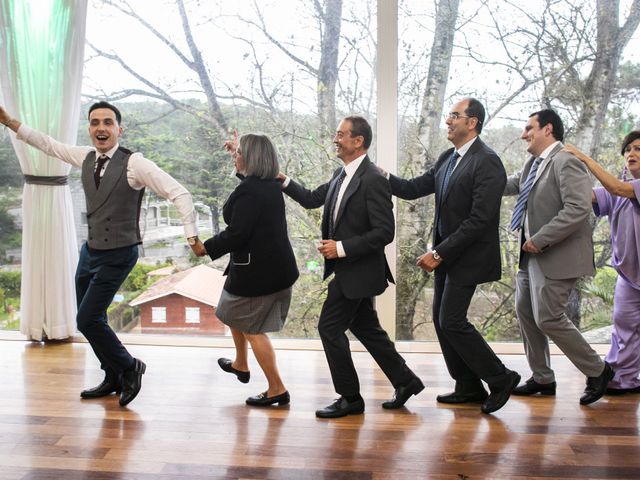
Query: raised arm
{"x": 608, "y": 181}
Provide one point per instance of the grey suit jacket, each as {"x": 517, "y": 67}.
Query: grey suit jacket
{"x": 558, "y": 211}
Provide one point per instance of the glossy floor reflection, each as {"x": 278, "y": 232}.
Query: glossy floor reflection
{"x": 190, "y": 421}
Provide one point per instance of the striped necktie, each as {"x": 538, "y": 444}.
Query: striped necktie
{"x": 521, "y": 204}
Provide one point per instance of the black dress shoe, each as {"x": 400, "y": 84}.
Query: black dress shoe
{"x": 597, "y": 386}
{"x": 463, "y": 397}
{"x": 403, "y": 393}
{"x": 107, "y": 387}
{"x": 132, "y": 382}
{"x": 225, "y": 364}
{"x": 261, "y": 400}
{"x": 500, "y": 393}
{"x": 621, "y": 391}
{"x": 341, "y": 408}
{"x": 531, "y": 387}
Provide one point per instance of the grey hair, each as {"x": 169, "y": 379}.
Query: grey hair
{"x": 260, "y": 156}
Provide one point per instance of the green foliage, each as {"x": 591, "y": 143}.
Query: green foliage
{"x": 10, "y": 283}
{"x": 138, "y": 279}
{"x": 602, "y": 285}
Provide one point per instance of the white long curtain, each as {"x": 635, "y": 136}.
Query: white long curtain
{"x": 41, "y": 58}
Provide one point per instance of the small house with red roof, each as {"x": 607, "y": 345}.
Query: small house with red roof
{"x": 184, "y": 302}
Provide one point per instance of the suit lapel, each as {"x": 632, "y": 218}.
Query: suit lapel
{"x": 545, "y": 163}
{"x": 352, "y": 187}
{"x": 327, "y": 203}
{"x": 462, "y": 165}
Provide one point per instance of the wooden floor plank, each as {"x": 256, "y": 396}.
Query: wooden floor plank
{"x": 190, "y": 421}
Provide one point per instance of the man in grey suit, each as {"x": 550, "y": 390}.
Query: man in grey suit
{"x": 551, "y": 215}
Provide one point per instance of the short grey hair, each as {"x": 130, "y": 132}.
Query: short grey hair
{"x": 260, "y": 156}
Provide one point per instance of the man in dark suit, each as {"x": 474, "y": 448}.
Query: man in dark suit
{"x": 357, "y": 223}
{"x": 468, "y": 181}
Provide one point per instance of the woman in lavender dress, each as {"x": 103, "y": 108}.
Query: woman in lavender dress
{"x": 619, "y": 201}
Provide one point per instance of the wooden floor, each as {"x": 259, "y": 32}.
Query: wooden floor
{"x": 190, "y": 422}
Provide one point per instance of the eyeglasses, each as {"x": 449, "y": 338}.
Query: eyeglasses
{"x": 455, "y": 116}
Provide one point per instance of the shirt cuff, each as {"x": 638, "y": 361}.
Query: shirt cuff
{"x": 285, "y": 182}
{"x": 340, "y": 249}
{"x": 190, "y": 230}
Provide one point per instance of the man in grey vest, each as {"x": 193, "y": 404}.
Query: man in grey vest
{"x": 113, "y": 179}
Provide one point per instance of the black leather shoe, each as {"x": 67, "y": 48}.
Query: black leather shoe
{"x": 531, "y": 387}
{"x": 225, "y": 364}
{"x": 403, "y": 393}
{"x": 463, "y": 397}
{"x": 500, "y": 393}
{"x": 341, "y": 408}
{"x": 597, "y": 386}
{"x": 261, "y": 400}
{"x": 107, "y": 387}
{"x": 621, "y": 391}
{"x": 132, "y": 382}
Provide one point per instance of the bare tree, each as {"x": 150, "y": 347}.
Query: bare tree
{"x": 416, "y": 217}
{"x": 600, "y": 85}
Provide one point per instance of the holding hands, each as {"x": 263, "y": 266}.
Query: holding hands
{"x": 198, "y": 247}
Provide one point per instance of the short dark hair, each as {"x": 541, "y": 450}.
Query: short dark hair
{"x": 361, "y": 128}
{"x": 547, "y": 116}
{"x": 476, "y": 109}
{"x": 104, "y": 104}
{"x": 630, "y": 138}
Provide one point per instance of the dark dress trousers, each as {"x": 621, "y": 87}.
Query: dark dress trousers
{"x": 364, "y": 224}
{"x": 468, "y": 214}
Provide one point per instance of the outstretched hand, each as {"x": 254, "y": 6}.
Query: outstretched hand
{"x": 198, "y": 248}
{"x": 573, "y": 150}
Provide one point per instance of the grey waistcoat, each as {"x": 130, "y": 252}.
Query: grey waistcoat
{"x": 113, "y": 210}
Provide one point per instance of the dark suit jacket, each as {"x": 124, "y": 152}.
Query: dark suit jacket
{"x": 469, "y": 211}
{"x": 262, "y": 260}
{"x": 364, "y": 224}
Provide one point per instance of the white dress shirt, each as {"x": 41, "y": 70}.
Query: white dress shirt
{"x": 141, "y": 172}
{"x": 350, "y": 171}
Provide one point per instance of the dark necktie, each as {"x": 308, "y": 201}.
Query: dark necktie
{"x": 334, "y": 201}
{"x": 96, "y": 174}
{"x": 445, "y": 182}
{"x": 521, "y": 204}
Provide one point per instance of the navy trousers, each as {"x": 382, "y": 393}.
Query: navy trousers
{"x": 99, "y": 275}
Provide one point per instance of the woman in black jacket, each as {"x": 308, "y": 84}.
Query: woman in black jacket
{"x": 262, "y": 267}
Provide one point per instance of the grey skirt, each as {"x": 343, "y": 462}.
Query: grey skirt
{"x": 252, "y": 315}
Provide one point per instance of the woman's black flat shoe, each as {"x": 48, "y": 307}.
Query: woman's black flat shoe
{"x": 225, "y": 364}
{"x": 262, "y": 400}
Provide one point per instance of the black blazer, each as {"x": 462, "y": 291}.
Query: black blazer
{"x": 364, "y": 224}
{"x": 469, "y": 211}
{"x": 262, "y": 260}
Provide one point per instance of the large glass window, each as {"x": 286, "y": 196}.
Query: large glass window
{"x": 292, "y": 69}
